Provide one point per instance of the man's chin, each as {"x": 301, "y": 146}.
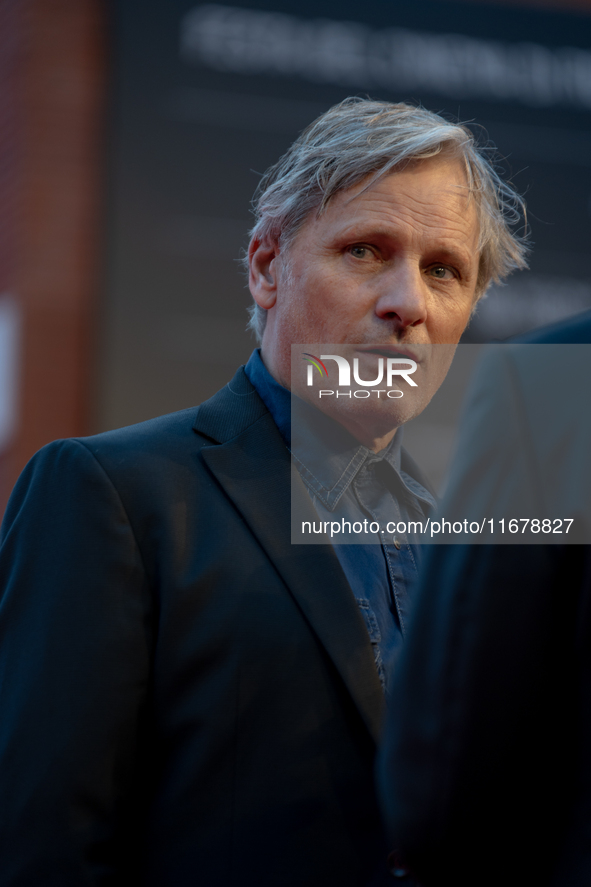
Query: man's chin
{"x": 371, "y": 390}
{"x": 369, "y": 419}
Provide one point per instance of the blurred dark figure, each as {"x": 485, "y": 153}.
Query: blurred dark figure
{"x": 486, "y": 770}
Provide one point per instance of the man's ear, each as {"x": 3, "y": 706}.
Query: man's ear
{"x": 262, "y": 272}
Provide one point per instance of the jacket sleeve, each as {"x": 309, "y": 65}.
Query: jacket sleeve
{"x": 74, "y": 667}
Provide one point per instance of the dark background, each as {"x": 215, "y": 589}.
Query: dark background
{"x": 188, "y": 142}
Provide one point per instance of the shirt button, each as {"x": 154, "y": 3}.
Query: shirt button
{"x": 397, "y": 544}
{"x": 395, "y": 866}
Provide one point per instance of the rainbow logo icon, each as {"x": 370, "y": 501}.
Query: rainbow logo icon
{"x": 314, "y": 362}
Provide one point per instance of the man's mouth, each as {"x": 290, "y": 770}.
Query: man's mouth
{"x": 394, "y": 351}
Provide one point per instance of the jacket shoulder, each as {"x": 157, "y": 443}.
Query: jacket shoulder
{"x": 134, "y": 460}
{"x": 225, "y": 415}
{"x": 161, "y": 434}
{"x": 147, "y": 462}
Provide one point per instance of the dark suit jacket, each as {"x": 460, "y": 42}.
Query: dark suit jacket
{"x": 186, "y": 698}
{"x": 487, "y": 771}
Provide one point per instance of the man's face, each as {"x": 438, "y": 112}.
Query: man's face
{"x": 395, "y": 264}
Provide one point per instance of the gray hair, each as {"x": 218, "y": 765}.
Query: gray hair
{"x": 359, "y": 138}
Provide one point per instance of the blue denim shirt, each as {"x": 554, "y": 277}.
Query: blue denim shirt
{"x": 347, "y": 480}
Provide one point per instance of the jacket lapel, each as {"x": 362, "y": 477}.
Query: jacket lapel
{"x": 252, "y": 464}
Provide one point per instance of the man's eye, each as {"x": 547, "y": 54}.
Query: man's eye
{"x": 441, "y": 272}
{"x": 358, "y": 252}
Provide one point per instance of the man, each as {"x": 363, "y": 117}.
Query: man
{"x": 187, "y": 698}
{"x": 486, "y": 772}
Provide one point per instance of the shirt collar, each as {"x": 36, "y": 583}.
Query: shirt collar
{"x": 276, "y": 398}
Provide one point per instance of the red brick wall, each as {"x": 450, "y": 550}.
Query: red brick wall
{"x": 10, "y": 49}
{"x": 50, "y": 232}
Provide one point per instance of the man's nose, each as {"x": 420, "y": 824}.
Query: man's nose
{"x": 403, "y": 299}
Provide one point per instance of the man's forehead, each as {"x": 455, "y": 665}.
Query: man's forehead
{"x": 434, "y": 192}
{"x": 443, "y": 174}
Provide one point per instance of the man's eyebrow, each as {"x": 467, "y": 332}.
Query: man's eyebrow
{"x": 455, "y": 253}
{"x": 366, "y": 231}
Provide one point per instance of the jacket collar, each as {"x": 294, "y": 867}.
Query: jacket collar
{"x": 251, "y": 462}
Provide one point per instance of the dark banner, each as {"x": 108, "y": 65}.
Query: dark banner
{"x": 206, "y": 97}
